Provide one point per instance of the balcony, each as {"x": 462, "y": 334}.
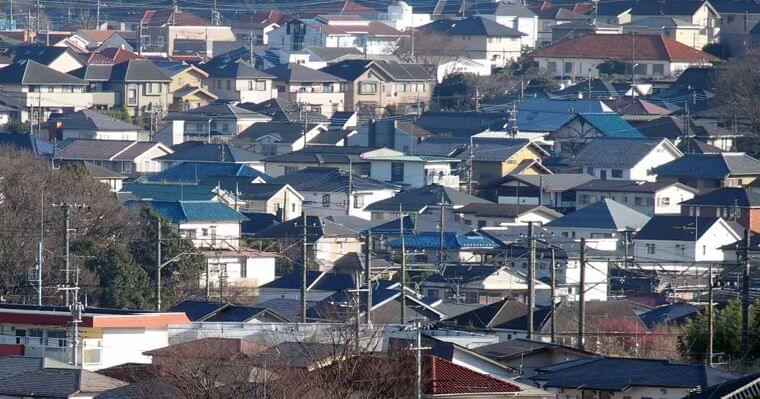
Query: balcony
{"x": 67, "y": 100}
{"x": 451, "y": 181}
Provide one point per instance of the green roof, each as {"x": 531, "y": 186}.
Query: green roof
{"x": 611, "y": 125}
{"x": 197, "y": 211}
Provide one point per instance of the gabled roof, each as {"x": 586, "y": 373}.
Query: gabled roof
{"x": 195, "y": 151}
{"x": 490, "y": 316}
{"x": 281, "y": 132}
{"x": 118, "y": 54}
{"x": 193, "y": 172}
{"x": 618, "y": 46}
{"x": 432, "y": 240}
{"x": 14, "y": 365}
{"x": 553, "y": 182}
{"x": 42, "y": 54}
{"x": 137, "y": 70}
{"x": 297, "y": 73}
{"x": 619, "y": 374}
{"x": 196, "y": 211}
{"x": 502, "y": 8}
{"x": 505, "y": 210}
{"x": 168, "y": 16}
{"x": 471, "y": 26}
{"x": 88, "y": 119}
{"x": 352, "y": 69}
{"x": 30, "y": 72}
{"x": 421, "y": 223}
{"x": 170, "y": 192}
{"x": 315, "y": 280}
{"x": 322, "y": 154}
{"x": 605, "y": 214}
{"x": 628, "y": 186}
{"x": 461, "y": 124}
{"x": 330, "y": 180}
{"x": 520, "y": 347}
{"x": 316, "y": 227}
{"x": 727, "y": 197}
{"x": 548, "y": 115}
{"x": 100, "y": 150}
{"x": 217, "y": 110}
{"x": 608, "y": 124}
{"x": 676, "y": 228}
{"x": 237, "y": 69}
{"x": 56, "y": 383}
{"x": 447, "y": 378}
{"x": 747, "y": 385}
{"x": 416, "y": 199}
{"x": 617, "y": 152}
{"x": 670, "y": 314}
{"x": 710, "y": 166}
{"x": 27, "y": 142}
{"x": 669, "y": 8}
{"x": 282, "y": 110}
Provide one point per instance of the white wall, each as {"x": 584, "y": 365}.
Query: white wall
{"x": 121, "y": 345}
{"x": 662, "y": 154}
{"x": 414, "y": 172}
{"x": 668, "y": 200}
{"x": 227, "y": 233}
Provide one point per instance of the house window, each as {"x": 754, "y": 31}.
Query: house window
{"x": 568, "y": 67}
{"x": 243, "y": 270}
{"x": 432, "y": 293}
{"x": 367, "y": 88}
{"x": 665, "y": 201}
{"x": 650, "y": 249}
{"x": 261, "y": 85}
{"x": 658, "y": 69}
{"x": 358, "y": 201}
{"x": 401, "y": 87}
{"x": 132, "y": 94}
{"x": 468, "y": 222}
{"x": 326, "y": 200}
{"x": 229, "y": 84}
{"x": 344, "y": 87}
{"x": 618, "y": 173}
{"x": 482, "y": 223}
{"x": 638, "y": 201}
{"x": 590, "y": 170}
{"x": 250, "y": 85}
{"x": 551, "y": 66}
{"x": 289, "y": 170}
{"x": 397, "y": 171}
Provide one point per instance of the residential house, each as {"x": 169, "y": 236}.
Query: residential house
{"x": 656, "y": 56}
{"x": 575, "y": 29}
{"x": 733, "y": 389}
{"x": 320, "y": 285}
{"x": 275, "y": 138}
{"x": 113, "y": 180}
{"x": 737, "y": 20}
{"x": 61, "y": 59}
{"x": 312, "y": 89}
{"x": 320, "y": 157}
{"x": 604, "y": 219}
{"x": 194, "y": 172}
{"x": 107, "y": 337}
{"x": 696, "y": 12}
{"x": 738, "y": 204}
{"x": 549, "y": 16}
{"x": 580, "y": 129}
{"x": 208, "y": 224}
{"x": 537, "y": 117}
{"x": 685, "y": 32}
{"x": 374, "y": 85}
{"x": 623, "y": 158}
{"x": 124, "y": 157}
{"x": 482, "y": 284}
{"x": 552, "y": 190}
{"x": 422, "y": 200}
{"x": 328, "y": 240}
{"x": 278, "y": 199}
{"x": 675, "y": 314}
{"x": 231, "y": 78}
{"x": 527, "y": 355}
{"x": 282, "y": 110}
{"x": 649, "y": 198}
{"x": 188, "y": 83}
{"x": 479, "y": 38}
{"x": 36, "y": 91}
{"x": 676, "y": 129}
{"x": 91, "y": 124}
{"x": 456, "y": 249}
{"x": 490, "y": 215}
{"x": 27, "y": 143}
{"x": 673, "y": 240}
{"x": 404, "y": 16}
{"x": 213, "y": 311}
{"x": 98, "y": 39}
{"x": 176, "y": 33}
{"x": 216, "y": 121}
{"x": 194, "y": 151}
{"x": 671, "y": 380}
{"x": 370, "y": 37}
{"x": 411, "y": 170}
{"x": 139, "y": 86}
{"x": 25, "y": 376}
{"x": 512, "y": 14}
{"x": 710, "y": 171}
{"x": 255, "y": 26}
{"x": 331, "y": 191}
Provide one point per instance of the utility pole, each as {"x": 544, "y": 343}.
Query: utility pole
{"x": 745, "y": 293}
{"x": 403, "y": 266}
{"x": 470, "y": 160}
{"x": 97, "y": 17}
{"x": 12, "y": 25}
{"x": 350, "y": 190}
{"x": 303, "y": 268}
{"x": 552, "y": 310}
{"x": 440, "y": 233}
{"x": 368, "y": 275}
{"x": 582, "y": 297}
{"x": 158, "y": 263}
{"x": 531, "y": 278}
{"x": 710, "y": 332}
{"x": 418, "y": 357}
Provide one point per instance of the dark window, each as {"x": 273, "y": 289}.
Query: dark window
{"x": 326, "y": 200}
{"x": 617, "y": 173}
{"x": 397, "y": 171}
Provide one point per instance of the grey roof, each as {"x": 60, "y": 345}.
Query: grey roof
{"x": 504, "y": 8}
{"x": 316, "y": 226}
{"x": 657, "y": 7}
{"x": 749, "y": 384}
{"x": 133, "y": 70}
{"x": 519, "y": 347}
{"x": 27, "y": 142}
{"x": 42, "y": 54}
{"x": 283, "y": 132}
{"x": 462, "y": 124}
{"x": 619, "y": 374}
{"x": 83, "y": 149}
{"x": 352, "y": 69}
{"x": 504, "y": 210}
{"x": 216, "y": 110}
{"x": 416, "y": 199}
{"x": 237, "y": 69}
{"x": 155, "y": 388}
{"x": 628, "y": 186}
{"x": 605, "y": 214}
{"x": 661, "y": 21}
{"x": 56, "y": 383}
{"x": 710, "y": 166}
{"x": 330, "y": 180}
{"x": 613, "y": 152}
{"x": 471, "y": 26}
{"x": 134, "y": 151}
{"x": 194, "y": 151}
{"x": 15, "y": 365}
{"x": 88, "y": 119}
{"x": 294, "y": 72}
{"x": 554, "y": 182}
{"x": 331, "y": 53}
{"x": 30, "y": 72}
{"x": 282, "y": 110}
{"x": 727, "y": 197}
{"x": 94, "y": 72}
{"x": 675, "y": 228}
{"x": 323, "y": 154}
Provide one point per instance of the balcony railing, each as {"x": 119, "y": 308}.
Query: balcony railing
{"x": 451, "y": 181}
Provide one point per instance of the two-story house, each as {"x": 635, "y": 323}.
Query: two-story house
{"x": 230, "y": 78}
{"x": 315, "y": 90}
{"x": 216, "y": 120}
{"x": 623, "y": 158}
{"x": 512, "y": 14}
{"x": 696, "y": 12}
{"x": 604, "y": 219}
{"x": 412, "y": 170}
{"x": 479, "y": 38}
{"x": 279, "y": 137}
{"x": 173, "y": 32}
{"x": 580, "y": 129}
{"x": 649, "y": 198}
{"x": 208, "y": 224}
{"x": 188, "y": 85}
{"x": 737, "y": 204}
{"x": 278, "y": 199}
{"x": 710, "y": 171}
{"x": 374, "y": 85}
{"x": 91, "y": 124}
{"x": 125, "y": 157}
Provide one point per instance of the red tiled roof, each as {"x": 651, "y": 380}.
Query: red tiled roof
{"x": 118, "y": 55}
{"x": 95, "y": 58}
{"x": 164, "y": 17}
{"x": 619, "y": 46}
{"x": 449, "y": 378}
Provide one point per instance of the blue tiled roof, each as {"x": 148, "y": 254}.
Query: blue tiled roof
{"x": 611, "y": 125}
{"x": 196, "y": 211}
{"x": 193, "y": 172}
{"x": 546, "y": 115}
{"x": 450, "y": 241}
{"x": 170, "y": 192}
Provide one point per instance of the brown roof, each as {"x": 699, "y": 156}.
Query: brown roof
{"x": 619, "y": 46}
{"x": 118, "y": 55}
{"x": 449, "y": 378}
{"x": 374, "y": 28}
{"x": 97, "y": 36}
{"x": 216, "y": 347}
{"x": 165, "y": 17}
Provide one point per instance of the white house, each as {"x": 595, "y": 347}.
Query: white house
{"x": 494, "y": 215}
{"x": 514, "y": 15}
{"x": 411, "y": 170}
{"x": 604, "y": 219}
{"x": 648, "y": 198}
{"x": 674, "y": 242}
{"x": 208, "y": 224}
{"x": 91, "y": 124}
{"x": 244, "y": 269}
{"x": 125, "y": 157}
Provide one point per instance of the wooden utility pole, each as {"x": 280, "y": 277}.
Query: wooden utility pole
{"x": 552, "y": 309}
{"x": 531, "y": 279}
{"x": 303, "y": 268}
{"x": 582, "y": 297}
{"x": 745, "y": 293}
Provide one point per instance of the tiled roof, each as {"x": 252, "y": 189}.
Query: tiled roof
{"x": 610, "y": 125}
{"x": 351, "y": 69}
{"x": 88, "y": 119}
{"x": 196, "y": 211}
{"x": 431, "y": 240}
{"x": 330, "y": 180}
{"x": 614, "y": 152}
{"x": 203, "y": 152}
{"x": 504, "y": 210}
{"x": 675, "y": 228}
{"x": 727, "y": 197}
{"x": 553, "y": 182}
{"x": 710, "y": 166}
{"x": 281, "y": 110}
{"x": 548, "y": 115}
{"x": 56, "y": 383}
{"x": 604, "y": 215}
{"x": 315, "y": 280}
{"x": 118, "y": 54}
{"x": 669, "y": 8}
{"x": 293, "y": 72}
{"x": 447, "y": 378}
{"x": 417, "y": 198}
{"x": 27, "y": 142}
{"x": 30, "y": 72}
{"x": 462, "y": 124}
{"x": 169, "y": 192}
{"x": 675, "y": 313}
{"x": 167, "y": 16}
{"x": 316, "y": 226}
{"x": 234, "y": 69}
{"x": 193, "y": 172}
{"x": 42, "y": 54}
{"x": 471, "y": 26}
{"x": 618, "y": 46}
{"x": 85, "y": 149}
{"x": 490, "y": 315}
{"x": 628, "y": 186}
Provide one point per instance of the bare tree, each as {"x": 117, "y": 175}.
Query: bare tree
{"x": 430, "y": 48}
{"x": 738, "y": 95}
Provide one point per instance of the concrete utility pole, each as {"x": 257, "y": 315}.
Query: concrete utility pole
{"x": 418, "y": 357}
{"x": 531, "y": 278}
{"x": 552, "y": 309}
{"x": 303, "y": 268}
{"x": 97, "y": 17}
{"x": 66, "y": 208}
{"x": 368, "y": 275}
{"x": 158, "y": 263}
{"x": 350, "y": 190}
{"x": 582, "y": 297}
{"x": 745, "y": 292}
{"x": 403, "y": 266}
{"x": 710, "y": 332}
{"x": 440, "y": 232}
{"x": 470, "y": 160}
